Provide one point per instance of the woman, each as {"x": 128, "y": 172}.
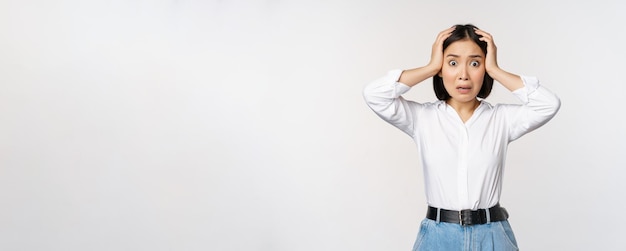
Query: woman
{"x": 462, "y": 140}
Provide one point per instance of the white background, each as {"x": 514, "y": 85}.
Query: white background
{"x": 240, "y": 125}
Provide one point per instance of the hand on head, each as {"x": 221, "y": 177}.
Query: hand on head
{"x": 491, "y": 62}
{"x": 436, "y": 56}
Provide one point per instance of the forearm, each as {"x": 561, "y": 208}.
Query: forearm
{"x": 383, "y": 96}
{"x": 509, "y": 80}
{"x": 415, "y": 76}
{"x": 539, "y": 105}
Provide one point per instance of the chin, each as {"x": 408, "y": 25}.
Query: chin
{"x": 464, "y": 98}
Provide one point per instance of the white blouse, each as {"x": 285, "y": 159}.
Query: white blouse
{"x": 463, "y": 163}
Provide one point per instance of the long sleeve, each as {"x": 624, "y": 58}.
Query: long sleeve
{"x": 539, "y": 105}
{"x": 383, "y": 97}
{"x": 462, "y": 161}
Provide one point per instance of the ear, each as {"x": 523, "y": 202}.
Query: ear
{"x": 439, "y": 73}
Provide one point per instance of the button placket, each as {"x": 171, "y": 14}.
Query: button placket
{"x": 462, "y": 173}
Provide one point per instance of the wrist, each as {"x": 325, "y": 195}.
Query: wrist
{"x": 493, "y": 71}
{"x": 432, "y": 69}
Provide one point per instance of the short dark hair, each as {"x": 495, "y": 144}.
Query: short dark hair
{"x": 462, "y": 32}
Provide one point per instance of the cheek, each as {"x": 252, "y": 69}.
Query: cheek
{"x": 478, "y": 75}
{"x": 447, "y": 74}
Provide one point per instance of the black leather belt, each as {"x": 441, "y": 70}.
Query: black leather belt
{"x": 469, "y": 217}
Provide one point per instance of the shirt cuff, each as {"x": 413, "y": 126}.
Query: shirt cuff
{"x": 399, "y": 88}
{"x": 530, "y": 85}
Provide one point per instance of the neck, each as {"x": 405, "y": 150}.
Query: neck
{"x": 465, "y": 110}
{"x": 463, "y": 107}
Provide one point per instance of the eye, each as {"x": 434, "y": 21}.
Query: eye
{"x": 452, "y": 63}
{"x": 474, "y": 63}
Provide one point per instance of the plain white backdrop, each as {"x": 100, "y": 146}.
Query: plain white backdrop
{"x": 239, "y": 125}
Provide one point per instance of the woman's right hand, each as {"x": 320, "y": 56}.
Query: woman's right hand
{"x": 436, "y": 56}
{"x": 415, "y": 76}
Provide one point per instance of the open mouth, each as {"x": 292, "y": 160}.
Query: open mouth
{"x": 464, "y": 89}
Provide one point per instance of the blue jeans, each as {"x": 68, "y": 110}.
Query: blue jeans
{"x": 494, "y": 236}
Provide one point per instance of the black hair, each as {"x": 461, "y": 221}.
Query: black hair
{"x": 462, "y": 32}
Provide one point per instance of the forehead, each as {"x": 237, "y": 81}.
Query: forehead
{"x": 464, "y": 47}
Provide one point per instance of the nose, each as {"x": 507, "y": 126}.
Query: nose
{"x": 463, "y": 75}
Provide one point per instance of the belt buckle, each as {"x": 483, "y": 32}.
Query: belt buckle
{"x": 465, "y": 217}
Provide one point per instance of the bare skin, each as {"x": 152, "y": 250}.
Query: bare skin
{"x": 415, "y": 76}
{"x": 507, "y": 79}
{"x": 463, "y": 78}
{"x": 463, "y": 72}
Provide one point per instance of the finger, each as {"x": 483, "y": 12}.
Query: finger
{"x": 484, "y": 36}
{"x": 483, "y": 33}
{"x": 486, "y": 39}
{"x": 446, "y": 33}
{"x": 489, "y": 42}
{"x": 449, "y": 29}
{"x": 443, "y": 36}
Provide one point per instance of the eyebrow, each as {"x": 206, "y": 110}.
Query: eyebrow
{"x": 470, "y": 56}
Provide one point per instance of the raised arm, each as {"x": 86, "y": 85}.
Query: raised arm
{"x": 507, "y": 79}
{"x": 539, "y": 104}
{"x": 383, "y": 95}
{"x": 417, "y": 75}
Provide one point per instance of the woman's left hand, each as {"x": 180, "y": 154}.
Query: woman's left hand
{"x": 491, "y": 63}
{"x": 508, "y": 80}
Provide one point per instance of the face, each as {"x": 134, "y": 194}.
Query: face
{"x": 463, "y": 70}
